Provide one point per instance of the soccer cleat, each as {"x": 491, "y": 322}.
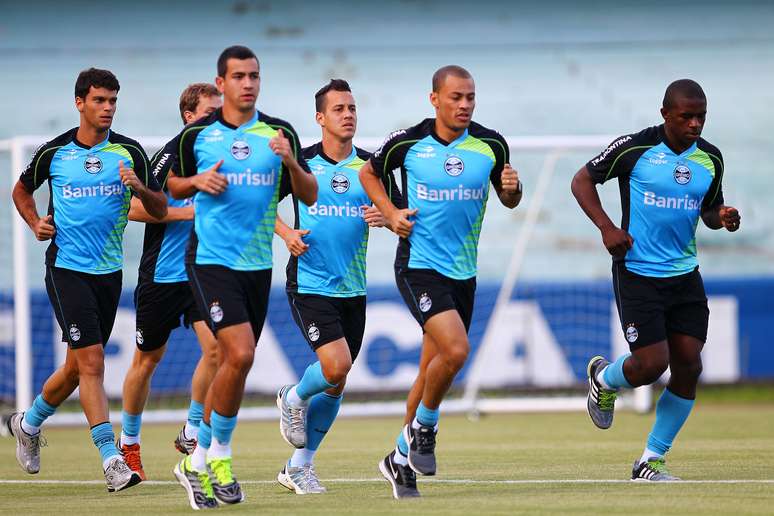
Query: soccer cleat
{"x": 652, "y": 470}
{"x": 601, "y": 402}
{"x": 421, "y": 455}
{"x": 197, "y": 485}
{"x": 224, "y": 485}
{"x": 302, "y": 480}
{"x": 402, "y": 478}
{"x": 292, "y": 419}
{"x": 131, "y": 453}
{"x": 183, "y": 444}
{"x": 27, "y": 446}
{"x": 118, "y": 476}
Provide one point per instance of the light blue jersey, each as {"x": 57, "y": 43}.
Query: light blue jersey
{"x": 89, "y": 204}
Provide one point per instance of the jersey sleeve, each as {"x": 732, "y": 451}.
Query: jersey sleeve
{"x": 502, "y": 156}
{"x": 142, "y": 168}
{"x": 714, "y": 196}
{"x": 38, "y": 169}
{"x": 161, "y": 162}
{"x": 391, "y": 154}
{"x": 607, "y": 164}
{"x": 184, "y": 162}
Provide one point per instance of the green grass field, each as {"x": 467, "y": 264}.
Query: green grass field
{"x": 520, "y": 463}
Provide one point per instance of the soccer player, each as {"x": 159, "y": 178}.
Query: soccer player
{"x": 163, "y": 295}
{"x": 326, "y": 282}
{"x": 447, "y": 163}
{"x": 669, "y": 177}
{"x": 237, "y": 162}
{"x": 92, "y": 173}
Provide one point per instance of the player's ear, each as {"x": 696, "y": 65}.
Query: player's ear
{"x": 219, "y": 83}
{"x": 320, "y": 118}
{"x": 664, "y": 112}
{"x": 79, "y": 104}
{"x": 434, "y": 99}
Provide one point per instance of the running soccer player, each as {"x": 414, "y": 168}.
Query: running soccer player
{"x": 92, "y": 173}
{"x": 238, "y": 162}
{"x": 163, "y": 295}
{"x": 326, "y": 282}
{"x": 447, "y": 163}
{"x": 669, "y": 177}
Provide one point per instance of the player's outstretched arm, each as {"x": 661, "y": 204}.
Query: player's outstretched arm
{"x": 722, "y": 217}
{"x": 293, "y": 238}
{"x": 303, "y": 183}
{"x": 42, "y": 227}
{"x": 616, "y": 240}
{"x": 397, "y": 220}
{"x": 138, "y": 213}
{"x": 510, "y": 188}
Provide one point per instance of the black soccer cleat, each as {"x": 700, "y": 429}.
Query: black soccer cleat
{"x": 421, "y": 441}
{"x": 402, "y": 478}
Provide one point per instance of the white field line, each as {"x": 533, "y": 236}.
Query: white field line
{"x": 421, "y": 481}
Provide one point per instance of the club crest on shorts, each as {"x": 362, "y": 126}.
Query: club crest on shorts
{"x": 75, "y": 333}
{"x": 453, "y": 166}
{"x": 240, "y": 149}
{"x": 216, "y": 312}
{"x": 631, "y": 333}
{"x": 340, "y": 183}
{"x": 425, "y": 303}
{"x": 682, "y": 174}
{"x": 314, "y": 332}
{"x": 92, "y": 164}
{"x": 138, "y": 337}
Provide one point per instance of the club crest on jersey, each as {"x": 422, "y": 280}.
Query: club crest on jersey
{"x": 453, "y": 166}
{"x": 314, "y": 332}
{"x": 240, "y": 149}
{"x": 631, "y": 333}
{"x": 216, "y": 312}
{"x": 425, "y": 303}
{"x": 682, "y": 174}
{"x": 340, "y": 183}
{"x": 92, "y": 164}
{"x": 138, "y": 337}
{"x": 75, "y": 333}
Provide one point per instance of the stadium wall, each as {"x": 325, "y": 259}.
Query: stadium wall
{"x": 540, "y": 340}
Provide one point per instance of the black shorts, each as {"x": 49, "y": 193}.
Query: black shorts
{"x": 226, "y": 297}
{"x": 323, "y": 319}
{"x": 85, "y": 304}
{"x": 159, "y": 307}
{"x": 427, "y": 292}
{"x": 652, "y": 308}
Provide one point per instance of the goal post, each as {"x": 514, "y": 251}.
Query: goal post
{"x": 493, "y": 321}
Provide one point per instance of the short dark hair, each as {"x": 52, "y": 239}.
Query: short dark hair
{"x": 234, "y": 52}
{"x": 97, "y": 78}
{"x": 189, "y": 99}
{"x": 682, "y": 88}
{"x": 333, "y": 85}
{"x": 442, "y": 73}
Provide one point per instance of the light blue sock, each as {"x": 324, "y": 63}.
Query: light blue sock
{"x": 322, "y": 412}
{"x": 614, "y": 375}
{"x": 426, "y": 416}
{"x": 38, "y": 412}
{"x": 205, "y": 435}
{"x": 130, "y": 424}
{"x": 222, "y": 427}
{"x": 402, "y": 444}
{"x": 671, "y": 413}
{"x": 104, "y": 440}
{"x": 313, "y": 382}
{"x": 195, "y": 413}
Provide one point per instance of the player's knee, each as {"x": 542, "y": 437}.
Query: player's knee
{"x": 211, "y": 357}
{"x": 457, "y": 356}
{"x": 71, "y": 373}
{"x": 241, "y": 359}
{"x": 688, "y": 371}
{"x": 336, "y": 371}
